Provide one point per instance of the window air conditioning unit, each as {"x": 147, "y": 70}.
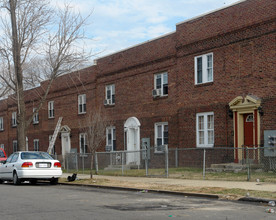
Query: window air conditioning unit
{"x": 107, "y": 102}
{"x": 156, "y": 92}
{"x": 161, "y": 148}
{"x": 108, "y": 148}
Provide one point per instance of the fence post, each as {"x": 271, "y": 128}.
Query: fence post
{"x": 122, "y": 162}
{"x": 67, "y": 162}
{"x": 204, "y": 161}
{"x": 96, "y": 162}
{"x": 77, "y": 165}
{"x": 146, "y": 162}
{"x": 176, "y": 157}
{"x": 83, "y": 164}
{"x": 167, "y": 160}
{"x": 248, "y": 164}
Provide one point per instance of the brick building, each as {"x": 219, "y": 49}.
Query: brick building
{"x": 210, "y": 83}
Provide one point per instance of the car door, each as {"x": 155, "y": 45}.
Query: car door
{"x": 4, "y": 168}
{"x": 11, "y": 165}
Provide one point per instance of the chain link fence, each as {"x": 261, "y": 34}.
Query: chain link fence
{"x": 222, "y": 163}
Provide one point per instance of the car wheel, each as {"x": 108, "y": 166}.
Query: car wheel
{"x": 33, "y": 182}
{"x": 54, "y": 181}
{"x": 16, "y": 181}
{"x": 1, "y": 181}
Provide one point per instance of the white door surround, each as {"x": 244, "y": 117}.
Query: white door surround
{"x": 65, "y": 139}
{"x": 132, "y": 130}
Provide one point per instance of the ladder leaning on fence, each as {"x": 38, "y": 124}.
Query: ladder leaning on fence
{"x": 54, "y": 137}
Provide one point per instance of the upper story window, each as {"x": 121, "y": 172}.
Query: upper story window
{"x": 82, "y": 103}
{"x": 110, "y": 139}
{"x": 204, "y": 68}
{"x": 161, "y": 136}
{"x": 14, "y": 119}
{"x": 109, "y": 95}
{"x": 160, "y": 85}
{"x": 51, "y": 111}
{"x": 1, "y": 124}
{"x": 205, "y": 129}
{"x": 36, "y": 145}
{"x": 83, "y": 143}
{"x": 36, "y": 117}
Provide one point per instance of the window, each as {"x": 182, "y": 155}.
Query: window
{"x": 2, "y": 146}
{"x": 205, "y": 129}
{"x": 161, "y": 135}
{"x": 110, "y": 95}
{"x": 160, "y": 84}
{"x": 1, "y": 124}
{"x": 14, "y": 120}
{"x": 83, "y": 143}
{"x": 36, "y": 145}
{"x": 82, "y": 103}
{"x": 111, "y": 138}
{"x": 204, "y": 68}
{"x": 51, "y": 111}
{"x": 14, "y": 145}
{"x": 36, "y": 117}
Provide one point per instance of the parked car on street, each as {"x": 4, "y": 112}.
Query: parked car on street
{"x": 3, "y": 156}
{"x": 31, "y": 166}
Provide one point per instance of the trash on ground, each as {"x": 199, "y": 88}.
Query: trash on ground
{"x": 270, "y": 210}
{"x": 72, "y": 178}
{"x": 271, "y": 203}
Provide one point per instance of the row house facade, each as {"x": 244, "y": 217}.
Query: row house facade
{"x": 210, "y": 83}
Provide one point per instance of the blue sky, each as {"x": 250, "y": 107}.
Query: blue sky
{"x": 118, "y": 24}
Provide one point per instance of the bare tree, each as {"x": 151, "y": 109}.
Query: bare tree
{"x": 95, "y": 128}
{"x": 38, "y": 44}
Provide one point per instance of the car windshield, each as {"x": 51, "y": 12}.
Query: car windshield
{"x": 35, "y": 155}
{"x": 2, "y": 155}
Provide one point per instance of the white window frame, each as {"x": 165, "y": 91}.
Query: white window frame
{"x": 164, "y": 77}
{"x": 83, "y": 149}
{"x": 82, "y": 104}
{"x": 36, "y": 144}
{"x": 14, "y": 119}
{"x": 14, "y": 145}
{"x": 36, "y": 117}
{"x": 51, "y": 110}
{"x": 111, "y": 137}
{"x": 207, "y": 67}
{"x": 1, "y": 124}
{"x": 208, "y": 131}
{"x": 156, "y": 137}
{"x": 110, "y": 88}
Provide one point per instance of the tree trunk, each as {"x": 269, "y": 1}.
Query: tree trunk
{"x": 91, "y": 165}
{"x": 21, "y": 112}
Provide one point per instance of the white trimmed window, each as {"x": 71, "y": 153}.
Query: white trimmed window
{"x": 14, "y": 119}
{"x": 36, "y": 117}
{"x": 160, "y": 84}
{"x": 82, "y": 103}
{"x": 111, "y": 139}
{"x": 1, "y": 124}
{"x": 83, "y": 143}
{"x": 14, "y": 145}
{"x": 161, "y": 134}
{"x": 51, "y": 110}
{"x": 204, "y": 68}
{"x": 109, "y": 95}
{"x": 36, "y": 145}
{"x": 205, "y": 129}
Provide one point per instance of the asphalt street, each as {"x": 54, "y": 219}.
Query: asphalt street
{"x": 44, "y": 201}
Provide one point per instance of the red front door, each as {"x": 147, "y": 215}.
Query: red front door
{"x": 248, "y": 131}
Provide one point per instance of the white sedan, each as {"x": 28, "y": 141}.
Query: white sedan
{"x": 31, "y": 166}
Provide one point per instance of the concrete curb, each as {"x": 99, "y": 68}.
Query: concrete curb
{"x": 254, "y": 199}
{"x": 210, "y": 196}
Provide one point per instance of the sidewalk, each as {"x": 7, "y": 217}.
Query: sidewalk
{"x": 259, "y": 186}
